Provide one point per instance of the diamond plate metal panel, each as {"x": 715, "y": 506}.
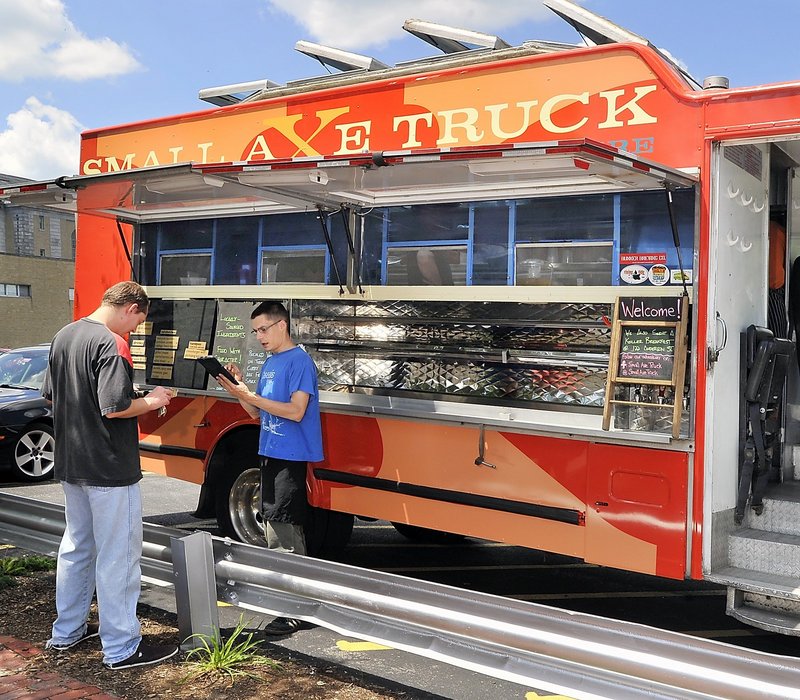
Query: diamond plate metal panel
{"x": 470, "y": 311}
{"x": 768, "y": 552}
{"x": 779, "y": 515}
{"x": 548, "y": 353}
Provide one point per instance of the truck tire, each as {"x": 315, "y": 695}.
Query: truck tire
{"x": 238, "y": 504}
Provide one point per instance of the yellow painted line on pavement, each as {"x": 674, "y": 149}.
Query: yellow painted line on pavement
{"x": 532, "y": 695}
{"x": 344, "y": 645}
{"x": 223, "y": 604}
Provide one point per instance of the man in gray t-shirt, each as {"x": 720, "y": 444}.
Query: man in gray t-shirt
{"x": 90, "y": 382}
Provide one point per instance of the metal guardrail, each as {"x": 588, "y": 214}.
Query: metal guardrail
{"x": 38, "y": 527}
{"x": 580, "y": 655}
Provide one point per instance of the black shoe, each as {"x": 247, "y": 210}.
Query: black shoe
{"x": 144, "y": 655}
{"x": 285, "y": 625}
{"x": 92, "y": 630}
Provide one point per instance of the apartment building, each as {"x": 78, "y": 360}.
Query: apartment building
{"x": 37, "y": 271}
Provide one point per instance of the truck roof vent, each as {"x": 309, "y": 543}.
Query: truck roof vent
{"x": 337, "y": 58}
{"x": 452, "y": 39}
{"x": 716, "y": 82}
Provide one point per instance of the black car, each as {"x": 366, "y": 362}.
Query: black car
{"x": 26, "y": 421}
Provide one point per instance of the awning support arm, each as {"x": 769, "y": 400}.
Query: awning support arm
{"x": 321, "y": 216}
{"x": 127, "y": 250}
{"x": 349, "y": 234}
{"x": 675, "y": 236}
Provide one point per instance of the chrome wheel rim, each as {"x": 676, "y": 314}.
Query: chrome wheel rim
{"x": 244, "y": 507}
{"x": 33, "y": 454}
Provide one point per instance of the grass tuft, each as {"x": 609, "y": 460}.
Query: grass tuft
{"x": 236, "y": 656}
{"x": 22, "y": 566}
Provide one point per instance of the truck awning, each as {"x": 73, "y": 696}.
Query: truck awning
{"x": 360, "y": 181}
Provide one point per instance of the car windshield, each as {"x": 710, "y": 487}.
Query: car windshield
{"x": 23, "y": 369}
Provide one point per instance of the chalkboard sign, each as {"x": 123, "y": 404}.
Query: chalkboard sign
{"x": 233, "y": 342}
{"x": 163, "y": 347}
{"x": 647, "y": 353}
{"x": 648, "y": 347}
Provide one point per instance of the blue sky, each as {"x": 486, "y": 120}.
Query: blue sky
{"x": 71, "y": 65}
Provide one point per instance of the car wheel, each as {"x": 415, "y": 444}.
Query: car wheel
{"x": 32, "y": 455}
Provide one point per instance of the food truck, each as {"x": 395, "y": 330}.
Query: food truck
{"x": 534, "y": 280}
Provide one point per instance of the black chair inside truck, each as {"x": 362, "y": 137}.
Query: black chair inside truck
{"x": 765, "y": 360}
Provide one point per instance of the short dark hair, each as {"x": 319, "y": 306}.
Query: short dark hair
{"x": 273, "y": 310}
{"x": 124, "y": 293}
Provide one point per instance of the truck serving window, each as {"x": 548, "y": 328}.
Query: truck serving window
{"x": 587, "y": 240}
{"x": 282, "y": 248}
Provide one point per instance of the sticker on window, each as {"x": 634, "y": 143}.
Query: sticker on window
{"x": 658, "y": 275}
{"x": 633, "y": 274}
{"x": 680, "y": 277}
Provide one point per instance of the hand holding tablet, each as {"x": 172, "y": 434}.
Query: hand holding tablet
{"x": 214, "y": 367}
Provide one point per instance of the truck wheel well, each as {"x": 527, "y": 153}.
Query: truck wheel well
{"x": 233, "y": 446}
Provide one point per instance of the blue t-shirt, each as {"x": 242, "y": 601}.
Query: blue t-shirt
{"x": 282, "y": 374}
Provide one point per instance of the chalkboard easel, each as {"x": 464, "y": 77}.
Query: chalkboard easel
{"x": 648, "y": 347}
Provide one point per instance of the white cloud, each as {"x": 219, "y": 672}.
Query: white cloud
{"x": 355, "y": 24}
{"x": 41, "y": 142}
{"x": 38, "y": 40}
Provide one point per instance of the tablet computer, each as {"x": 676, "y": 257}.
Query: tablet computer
{"x": 213, "y": 366}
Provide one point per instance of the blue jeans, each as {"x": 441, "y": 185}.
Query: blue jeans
{"x": 102, "y": 549}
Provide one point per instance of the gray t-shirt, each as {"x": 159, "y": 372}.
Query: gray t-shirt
{"x": 90, "y": 375}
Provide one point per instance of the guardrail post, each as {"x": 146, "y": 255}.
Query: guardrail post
{"x": 195, "y": 588}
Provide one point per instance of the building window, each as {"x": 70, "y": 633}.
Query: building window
{"x": 41, "y": 222}
{"x": 15, "y": 290}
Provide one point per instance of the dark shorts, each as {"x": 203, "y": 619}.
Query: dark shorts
{"x": 283, "y": 491}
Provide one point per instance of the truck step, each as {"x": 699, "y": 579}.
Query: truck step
{"x": 751, "y": 613}
{"x": 765, "y": 600}
{"x": 769, "y": 552}
{"x": 760, "y": 582}
{"x": 781, "y": 510}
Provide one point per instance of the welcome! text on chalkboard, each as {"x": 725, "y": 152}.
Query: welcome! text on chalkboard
{"x": 667, "y": 309}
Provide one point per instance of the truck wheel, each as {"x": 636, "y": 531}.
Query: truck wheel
{"x": 238, "y": 498}
{"x": 423, "y": 534}
{"x": 239, "y": 517}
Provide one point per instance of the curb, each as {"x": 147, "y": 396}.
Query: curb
{"x": 15, "y": 682}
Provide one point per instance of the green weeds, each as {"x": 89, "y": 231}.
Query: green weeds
{"x": 238, "y": 655}
{"x": 11, "y": 567}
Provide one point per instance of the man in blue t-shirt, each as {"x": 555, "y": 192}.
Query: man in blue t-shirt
{"x": 286, "y": 402}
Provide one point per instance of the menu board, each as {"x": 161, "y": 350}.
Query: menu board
{"x": 648, "y": 347}
{"x": 234, "y": 342}
{"x": 163, "y": 348}
{"x": 647, "y": 353}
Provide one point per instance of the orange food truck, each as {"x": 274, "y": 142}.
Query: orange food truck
{"x": 535, "y": 282}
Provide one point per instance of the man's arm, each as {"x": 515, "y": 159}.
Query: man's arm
{"x": 294, "y": 409}
{"x": 158, "y": 397}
